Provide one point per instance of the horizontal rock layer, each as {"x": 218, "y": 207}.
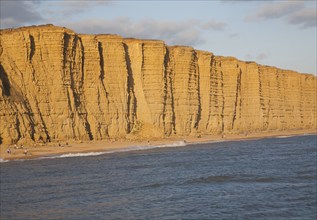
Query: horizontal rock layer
{"x": 59, "y": 85}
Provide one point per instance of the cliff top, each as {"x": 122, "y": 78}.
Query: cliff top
{"x": 44, "y": 27}
{"x": 53, "y": 28}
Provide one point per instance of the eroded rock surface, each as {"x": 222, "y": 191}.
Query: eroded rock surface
{"x": 59, "y": 85}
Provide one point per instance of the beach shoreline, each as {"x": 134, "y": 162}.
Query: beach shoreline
{"x": 106, "y": 146}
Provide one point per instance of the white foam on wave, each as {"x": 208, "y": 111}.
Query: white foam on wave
{"x": 3, "y": 160}
{"x": 210, "y": 142}
{"x": 175, "y": 144}
{"x": 309, "y": 134}
{"x": 294, "y": 135}
{"x": 284, "y": 136}
{"x": 78, "y": 154}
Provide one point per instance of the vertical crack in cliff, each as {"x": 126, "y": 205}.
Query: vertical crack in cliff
{"x": 87, "y": 123}
{"x": 171, "y": 78}
{"x": 32, "y": 47}
{"x": 223, "y": 103}
{"x": 165, "y": 88}
{"x": 261, "y": 90}
{"x": 65, "y": 59}
{"x": 198, "y": 118}
{"x": 238, "y": 91}
{"x": 30, "y": 117}
{"x": 43, "y": 127}
{"x": 189, "y": 96}
{"x": 71, "y": 113}
{"x": 75, "y": 90}
{"x": 301, "y": 106}
{"x": 78, "y": 90}
{"x": 102, "y": 69}
{"x": 212, "y": 92}
{"x": 142, "y": 64}
{"x": 168, "y": 96}
{"x": 101, "y": 61}
{"x": 18, "y": 126}
{"x": 131, "y": 101}
{"x": 82, "y": 60}
{"x": 67, "y": 81}
{"x": 281, "y": 104}
{"x": 263, "y": 113}
{"x": 5, "y": 82}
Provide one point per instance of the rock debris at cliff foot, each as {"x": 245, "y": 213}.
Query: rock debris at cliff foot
{"x": 58, "y": 85}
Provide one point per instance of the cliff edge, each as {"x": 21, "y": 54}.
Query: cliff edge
{"x": 58, "y": 85}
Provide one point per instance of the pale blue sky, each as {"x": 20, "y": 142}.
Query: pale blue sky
{"x": 276, "y": 33}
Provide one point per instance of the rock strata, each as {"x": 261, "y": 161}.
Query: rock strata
{"x": 57, "y": 85}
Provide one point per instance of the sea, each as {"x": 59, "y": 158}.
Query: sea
{"x": 269, "y": 178}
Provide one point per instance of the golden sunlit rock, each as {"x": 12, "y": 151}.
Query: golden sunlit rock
{"x": 59, "y": 85}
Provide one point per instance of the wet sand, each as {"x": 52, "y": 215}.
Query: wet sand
{"x": 51, "y": 149}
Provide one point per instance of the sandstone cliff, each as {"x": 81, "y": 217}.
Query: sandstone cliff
{"x": 59, "y": 85}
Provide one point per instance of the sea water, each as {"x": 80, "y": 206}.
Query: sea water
{"x": 272, "y": 178}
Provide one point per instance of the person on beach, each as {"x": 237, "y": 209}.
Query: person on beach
{"x": 9, "y": 151}
{"x": 25, "y": 151}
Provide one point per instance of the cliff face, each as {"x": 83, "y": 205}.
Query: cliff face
{"x": 59, "y": 85}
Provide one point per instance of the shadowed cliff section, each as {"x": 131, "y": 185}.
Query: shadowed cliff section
{"x": 58, "y": 85}
{"x": 5, "y": 82}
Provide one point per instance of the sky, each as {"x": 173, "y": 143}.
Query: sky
{"x": 279, "y": 33}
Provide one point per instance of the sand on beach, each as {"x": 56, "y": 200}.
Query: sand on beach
{"x": 59, "y": 148}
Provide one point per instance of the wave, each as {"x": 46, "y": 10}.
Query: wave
{"x": 295, "y": 135}
{"x": 3, "y": 160}
{"x": 229, "y": 178}
{"x": 211, "y": 179}
{"x": 75, "y": 155}
{"x": 309, "y": 134}
{"x": 284, "y": 136}
{"x": 128, "y": 149}
{"x": 88, "y": 154}
{"x": 210, "y": 142}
